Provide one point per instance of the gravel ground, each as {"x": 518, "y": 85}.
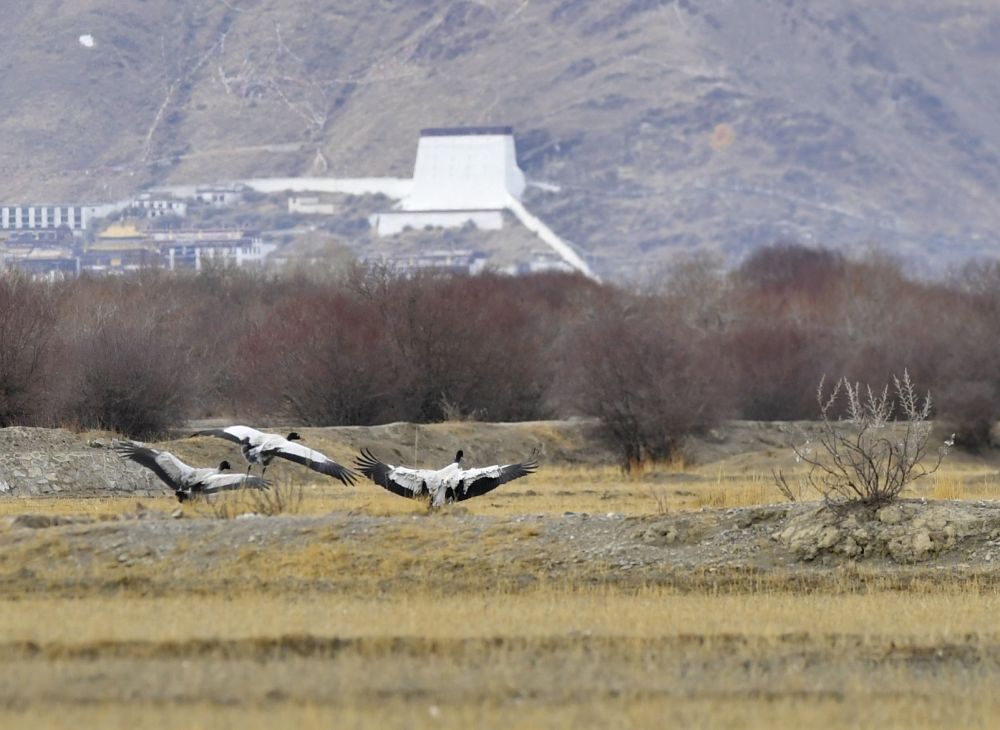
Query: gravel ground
{"x": 451, "y": 550}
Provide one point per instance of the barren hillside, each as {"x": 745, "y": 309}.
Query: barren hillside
{"x": 670, "y": 126}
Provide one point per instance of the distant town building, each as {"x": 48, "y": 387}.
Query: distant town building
{"x": 61, "y": 236}
{"x": 23, "y": 217}
{"x": 542, "y": 261}
{"x": 117, "y": 249}
{"x": 157, "y": 206}
{"x": 220, "y": 196}
{"x": 455, "y": 261}
{"x": 42, "y": 253}
{"x": 190, "y": 249}
{"x": 310, "y": 205}
{"x": 74, "y": 217}
{"x": 123, "y": 248}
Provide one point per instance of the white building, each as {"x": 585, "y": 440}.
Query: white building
{"x": 30, "y": 217}
{"x": 462, "y": 175}
{"x": 74, "y": 217}
{"x": 157, "y": 207}
{"x": 310, "y": 205}
{"x": 220, "y": 196}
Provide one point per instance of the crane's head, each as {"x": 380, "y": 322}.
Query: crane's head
{"x": 293, "y": 436}
{"x": 225, "y": 465}
{"x": 458, "y": 456}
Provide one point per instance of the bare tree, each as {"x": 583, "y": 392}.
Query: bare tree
{"x": 649, "y": 379}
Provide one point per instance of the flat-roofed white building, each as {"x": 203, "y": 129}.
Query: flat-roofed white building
{"x": 465, "y": 168}
{"x": 29, "y": 217}
{"x": 461, "y": 175}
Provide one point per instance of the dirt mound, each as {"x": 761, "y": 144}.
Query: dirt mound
{"x": 908, "y": 531}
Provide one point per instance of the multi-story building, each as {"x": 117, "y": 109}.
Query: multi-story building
{"x": 26, "y": 217}
{"x": 189, "y": 249}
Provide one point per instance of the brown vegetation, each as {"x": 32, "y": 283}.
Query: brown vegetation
{"x": 142, "y": 354}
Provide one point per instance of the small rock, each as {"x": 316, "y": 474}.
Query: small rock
{"x": 922, "y": 544}
{"x": 828, "y": 537}
{"x": 891, "y": 515}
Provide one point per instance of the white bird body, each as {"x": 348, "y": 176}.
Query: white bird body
{"x": 186, "y": 481}
{"x": 261, "y": 448}
{"x": 451, "y": 483}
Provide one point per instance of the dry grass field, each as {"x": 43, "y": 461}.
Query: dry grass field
{"x": 357, "y": 608}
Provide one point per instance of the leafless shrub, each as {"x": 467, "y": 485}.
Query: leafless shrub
{"x": 452, "y": 412}
{"x": 778, "y": 363}
{"x": 127, "y": 367}
{"x": 790, "y": 492}
{"x": 279, "y": 498}
{"x": 868, "y": 455}
{"x": 321, "y": 359}
{"x": 661, "y": 499}
{"x": 650, "y": 379}
{"x": 476, "y": 343}
{"x": 27, "y": 325}
{"x": 224, "y": 506}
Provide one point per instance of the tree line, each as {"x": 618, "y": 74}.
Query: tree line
{"x": 144, "y": 353}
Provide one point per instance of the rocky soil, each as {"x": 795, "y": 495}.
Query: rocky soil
{"x": 609, "y": 546}
{"x": 163, "y": 553}
{"x": 54, "y": 462}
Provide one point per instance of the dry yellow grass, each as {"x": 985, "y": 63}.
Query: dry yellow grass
{"x": 424, "y": 623}
{"x": 972, "y": 707}
{"x": 553, "y": 490}
{"x": 538, "y": 658}
{"x": 927, "y": 615}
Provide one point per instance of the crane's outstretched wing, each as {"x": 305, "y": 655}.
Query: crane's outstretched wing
{"x": 480, "y": 481}
{"x": 315, "y": 460}
{"x": 224, "y": 482}
{"x": 397, "y": 479}
{"x": 165, "y": 465}
{"x": 237, "y": 434}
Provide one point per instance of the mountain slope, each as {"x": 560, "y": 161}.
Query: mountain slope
{"x": 669, "y": 126}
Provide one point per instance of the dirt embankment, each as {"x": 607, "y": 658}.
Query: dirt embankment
{"x": 453, "y": 550}
{"x": 57, "y": 462}
{"x": 652, "y": 547}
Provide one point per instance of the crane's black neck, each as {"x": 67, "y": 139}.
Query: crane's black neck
{"x": 458, "y": 456}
